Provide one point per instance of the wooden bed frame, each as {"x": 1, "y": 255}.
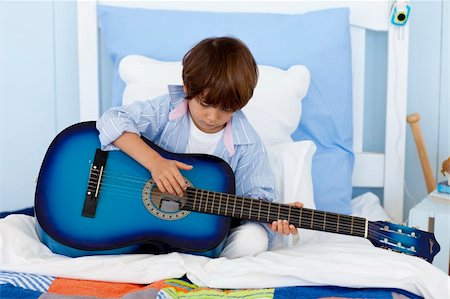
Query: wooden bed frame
{"x": 384, "y": 170}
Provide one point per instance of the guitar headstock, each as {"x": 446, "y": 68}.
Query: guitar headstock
{"x": 403, "y": 239}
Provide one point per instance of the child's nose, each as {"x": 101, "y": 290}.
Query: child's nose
{"x": 212, "y": 115}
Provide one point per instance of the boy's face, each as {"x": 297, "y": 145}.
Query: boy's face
{"x": 207, "y": 118}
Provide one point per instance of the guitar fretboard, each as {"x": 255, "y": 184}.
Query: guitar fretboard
{"x": 262, "y": 211}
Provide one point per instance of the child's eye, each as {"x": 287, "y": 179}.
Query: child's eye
{"x": 204, "y": 104}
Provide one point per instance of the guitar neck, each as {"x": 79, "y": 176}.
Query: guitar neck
{"x": 262, "y": 211}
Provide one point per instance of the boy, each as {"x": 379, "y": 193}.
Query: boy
{"x": 203, "y": 116}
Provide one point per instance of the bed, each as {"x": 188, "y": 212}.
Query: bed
{"x": 131, "y": 50}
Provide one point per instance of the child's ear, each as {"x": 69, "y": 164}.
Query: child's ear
{"x": 184, "y": 88}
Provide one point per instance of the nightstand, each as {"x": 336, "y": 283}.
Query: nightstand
{"x": 434, "y": 216}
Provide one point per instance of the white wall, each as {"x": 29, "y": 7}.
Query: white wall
{"x": 39, "y": 96}
{"x": 38, "y": 90}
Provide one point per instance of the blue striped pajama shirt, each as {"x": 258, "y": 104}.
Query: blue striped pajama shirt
{"x": 153, "y": 119}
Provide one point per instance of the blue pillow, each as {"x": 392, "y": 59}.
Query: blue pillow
{"x": 320, "y": 40}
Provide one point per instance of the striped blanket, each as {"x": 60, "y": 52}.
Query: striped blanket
{"x": 23, "y": 285}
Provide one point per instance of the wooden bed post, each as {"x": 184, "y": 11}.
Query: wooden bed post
{"x": 413, "y": 120}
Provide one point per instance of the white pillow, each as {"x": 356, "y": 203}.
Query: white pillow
{"x": 291, "y": 164}
{"x": 274, "y": 110}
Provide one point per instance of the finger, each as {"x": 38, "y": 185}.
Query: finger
{"x": 299, "y": 204}
{"x": 280, "y": 226}
{"x": 293, "y": 229}
{"x": 183, "y": 166}
{"x": 168, "y": 186}
{"x": 286, "y": 230}
{"x": 273, "y": 226}
{"x": 176, "y": 186}
{"x": 181, "y": 181}
{"x": 161, "y": 186}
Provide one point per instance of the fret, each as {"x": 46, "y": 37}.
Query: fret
{"x": 206, "y": 201}
{"x": 345, "y": 224}
{"x": 312, "y": 218}
{"x": 324, "y": 220}
{"x": 337, "y": 223}
{"x": 212, "y": 202}
{"x": 300, "y": 218}
{"x": 360, "y": 227}
{"x": 268, "y": 212}
{"x": 242, "y": 207}
{"x": 226, "y": 206}
{"x": 200, "y": 203}
{"x": 195, "y": 199}
{"x": 220, "y": 202}
{"x": 234, "y": 206}
{"x": 351, "y": 228}
{"x": 279, "y": 207}
{"x": 289, "y": 215}
{"x": 305, "y": 216}
{"x": 318, "y": 220}
{"x": 259, "y": 210}
{"x": 366, "y": 227}
{"x": 250, "y": 212}
{"x": 332, "y": 219}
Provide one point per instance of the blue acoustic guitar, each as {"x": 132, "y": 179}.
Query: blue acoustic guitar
{"x": 90, "y": 201}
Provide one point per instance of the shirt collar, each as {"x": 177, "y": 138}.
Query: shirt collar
{"x": 176, "y": 93}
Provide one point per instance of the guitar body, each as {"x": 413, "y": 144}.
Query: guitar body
{"x": 129, "y": 215}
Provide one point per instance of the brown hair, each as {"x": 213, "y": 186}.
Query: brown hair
{"x": 221, "y": 71}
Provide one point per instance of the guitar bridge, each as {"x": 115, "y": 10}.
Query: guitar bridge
{"x": 94, "y": 183}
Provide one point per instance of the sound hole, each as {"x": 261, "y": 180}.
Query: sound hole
{"x": 170, "y": 204}
{"x": 162, "y": 205}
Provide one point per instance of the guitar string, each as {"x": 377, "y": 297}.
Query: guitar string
{"x": 343, "y": 227}
{"x": 349, "y": 228}
{"x": 212, "y": 206}
{"x": 331, "y": 228}
{"x": 266, "y": 203}
{"x": 376, "y": 232}
{"x": 141, "y": 181}
{"x": 320, "y": 223}
{"x": 132, "y": 179}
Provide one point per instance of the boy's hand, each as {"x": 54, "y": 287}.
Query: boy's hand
{"x": 167, "y": 176}
{"x": 282, "y": 226}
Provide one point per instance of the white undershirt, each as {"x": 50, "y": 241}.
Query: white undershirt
{"x": 200, "y": 142}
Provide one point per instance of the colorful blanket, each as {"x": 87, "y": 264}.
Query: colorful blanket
{"x": 22, "y": 285}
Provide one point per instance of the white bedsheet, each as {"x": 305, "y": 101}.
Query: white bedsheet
{"x": 320, "y": 259}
